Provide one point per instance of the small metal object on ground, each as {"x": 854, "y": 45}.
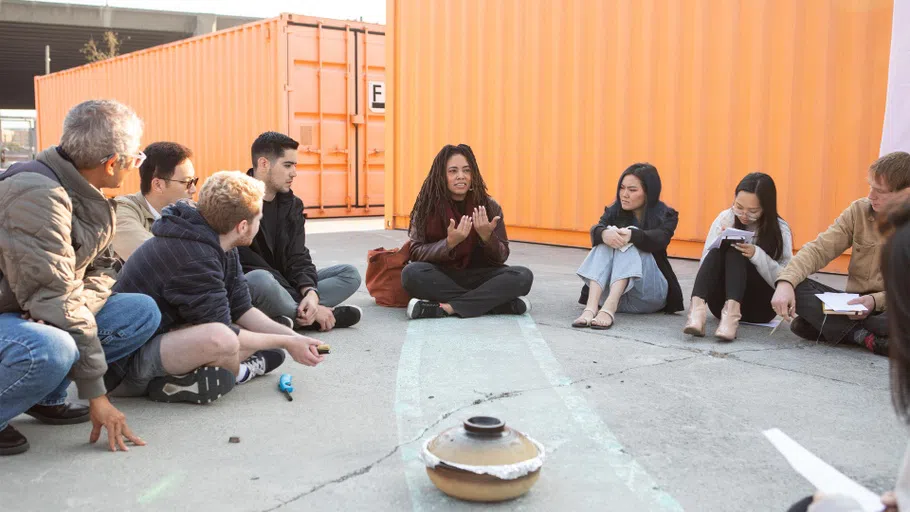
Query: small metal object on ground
{"x": 323, "y": 349}
{"x": 234, "y": 440}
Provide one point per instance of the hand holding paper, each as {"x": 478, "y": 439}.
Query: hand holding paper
{"x": 842, "y": 303}
{"x": 739, "y": 235}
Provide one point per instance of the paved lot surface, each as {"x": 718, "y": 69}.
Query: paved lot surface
{"x": 639, "y": 417}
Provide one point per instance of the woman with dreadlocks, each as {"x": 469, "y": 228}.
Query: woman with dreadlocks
{"x": 459, "y": 246}
{"x": 629, "y": 258}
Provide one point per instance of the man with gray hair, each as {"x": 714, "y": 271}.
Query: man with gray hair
{"x": 58, "y": 318}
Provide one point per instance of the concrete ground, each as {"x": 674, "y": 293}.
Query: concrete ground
{"x": 639, "y": 417}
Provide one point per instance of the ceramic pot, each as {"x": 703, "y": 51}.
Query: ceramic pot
{"x": 483, "y": 460}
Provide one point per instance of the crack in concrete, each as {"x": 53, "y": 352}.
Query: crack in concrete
{"x": 357, "y": 472}
{"x": 720, "y": 355}
{"x": 490, "y": 397}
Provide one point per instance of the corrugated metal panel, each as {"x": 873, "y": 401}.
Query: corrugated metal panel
{"x": 214, "y": 93}
{"x": 372, "y": 70}
{"x": 558, "y": 97}
{"x": 330, "y": 68}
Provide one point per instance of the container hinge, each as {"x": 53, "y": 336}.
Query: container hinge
{"x": 288, "y": 88}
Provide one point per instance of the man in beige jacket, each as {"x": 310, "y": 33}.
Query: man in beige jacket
{"x": 166, "y": 176}
{"x": 855, "y": 228}
{"x": 58, "y": 318}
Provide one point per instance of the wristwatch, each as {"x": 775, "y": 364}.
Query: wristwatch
{"x": 308, "y": 290}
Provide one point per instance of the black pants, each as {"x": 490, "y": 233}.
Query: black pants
{"x": 471, "y": 292}
{"x": 835, "y": 327}
{"x": 725, "y": 274}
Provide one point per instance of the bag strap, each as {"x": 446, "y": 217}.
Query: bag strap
{"x": 35, "y": 166}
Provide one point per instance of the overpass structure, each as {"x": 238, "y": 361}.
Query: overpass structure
{"x": 27, "y": 27}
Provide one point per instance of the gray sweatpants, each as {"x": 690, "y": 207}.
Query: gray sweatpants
{"x": 336, "y": 284}
{"x": 647, "y": 289}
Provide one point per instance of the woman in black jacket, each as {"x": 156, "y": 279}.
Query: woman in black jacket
{"x": 629, "y": 258}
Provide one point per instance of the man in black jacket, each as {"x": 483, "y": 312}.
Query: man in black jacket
{"x": 210, "y": 336}
{"x": 283, "y": 281}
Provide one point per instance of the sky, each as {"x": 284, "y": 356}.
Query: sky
{"x": 372, "y": 11}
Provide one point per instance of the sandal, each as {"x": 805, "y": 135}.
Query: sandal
{"x": 601, "y": 327}
{"x": 582, "y": 322}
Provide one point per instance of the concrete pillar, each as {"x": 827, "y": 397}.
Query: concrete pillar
{"x": 205, "y": 24}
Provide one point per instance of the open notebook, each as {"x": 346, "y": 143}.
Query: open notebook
{"x": 736, "y": 235}
{"x": 836, "y": 303}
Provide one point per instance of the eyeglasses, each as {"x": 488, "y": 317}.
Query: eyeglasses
{"x": 136, "y": 162}
{"x": 741, "y": 212}
{"x": 188, "y": 183}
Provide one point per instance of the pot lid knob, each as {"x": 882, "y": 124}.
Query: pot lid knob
{"x": 484, "y": 425}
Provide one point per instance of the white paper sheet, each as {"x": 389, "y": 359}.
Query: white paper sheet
{"x": 625, "y": 247}
{"x": 838, "y": 302}
{"x": 896, "y": 129}
{"x": 772, "y": 324}
{"x": 732, "y": 233}
{"x": 824, "y": 477}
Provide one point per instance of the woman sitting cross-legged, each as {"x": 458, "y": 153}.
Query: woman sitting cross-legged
{"x": 459, "y": 246}
{"x": 736, "y": 281}
{"x": 629, "y": 258}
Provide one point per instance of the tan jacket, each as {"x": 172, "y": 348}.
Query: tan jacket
{"x": 855, "y": 228}
{"x": 55, "y": 258}
{"x": 134, "y": 224}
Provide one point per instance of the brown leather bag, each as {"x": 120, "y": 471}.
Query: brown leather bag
{"x": 384, "y": 275}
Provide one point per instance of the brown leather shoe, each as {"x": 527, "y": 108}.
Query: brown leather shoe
{"x": 12, "y": 442}
{"x": 63, "y": 414}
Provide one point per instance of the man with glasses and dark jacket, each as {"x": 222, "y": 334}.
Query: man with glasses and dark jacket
{"x": 166, "y": 176}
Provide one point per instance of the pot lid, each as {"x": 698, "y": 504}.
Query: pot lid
{"x": 483, "y": 441}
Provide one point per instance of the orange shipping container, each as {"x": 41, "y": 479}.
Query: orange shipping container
{"x": 320, "y": 81}
{"x": 557, "y": 97}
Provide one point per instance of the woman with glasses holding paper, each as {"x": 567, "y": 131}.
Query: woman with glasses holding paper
{"x": 627, "y": 271}
{"x": 746, "y": 248}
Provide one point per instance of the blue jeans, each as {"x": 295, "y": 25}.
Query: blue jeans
{"x": 35, "y": 359}
{"x": 647, "y": 288}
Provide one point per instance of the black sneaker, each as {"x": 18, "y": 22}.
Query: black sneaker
{"x": 201, "y": 386}
{"x": 262, "y": 362}
{"x": 346, "y": 316}
{"x": 425, "y": 309}
{"x": 518, "y": 306}
{"x": 12, "y": 442}
{"x": 802, "y": 328}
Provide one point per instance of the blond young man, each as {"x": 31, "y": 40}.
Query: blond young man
{"x": 210, "y": 336}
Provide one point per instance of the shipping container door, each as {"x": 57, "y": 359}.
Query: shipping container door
{"x": 320, "y": 109}
{"x": 371, "y": 127}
